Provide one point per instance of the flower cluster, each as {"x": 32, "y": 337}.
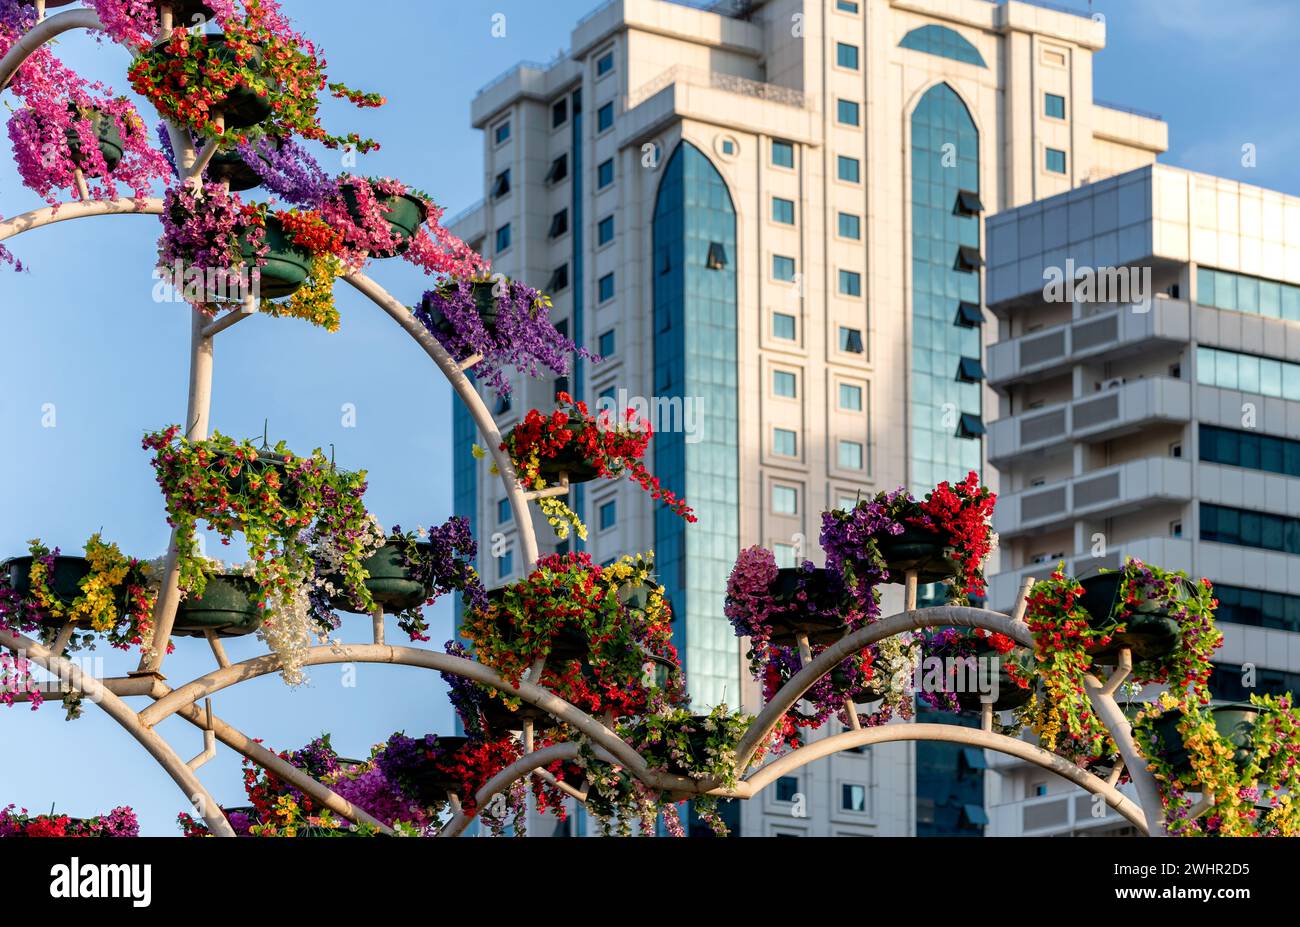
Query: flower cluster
{"x": 963, "y": 513}
{"x": 120, "y": 822}
{"x": 522, "y": 335}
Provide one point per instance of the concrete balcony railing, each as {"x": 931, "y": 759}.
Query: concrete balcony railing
{"x": 1105, "y": 336}
{"x": 1108, "y": 413}
{"x": 1113, "y": 491}
{"x": 1168, "y": 552}
{"x": 1059, "y": 814}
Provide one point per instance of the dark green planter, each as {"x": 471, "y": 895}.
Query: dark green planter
{"x": 287, "y": 265}
{"x": 1009, "y": 695}
{"x": 228, "y": 608}
{"x": 430, "y": 784}
{"x": 229, "y": 167}
{"x": 1150, "y": 633}
{"x": 1234, "y": 720}
{"x": 237, "y": 485}
{"x": 243, "y": 107}
{"x": 697, "y": 745}
{"x": 792, "y": 619}
{"x": 485, "y": 302}
{"x": 390, "y": 581}
{"x": 404, "y": 215}
{"x": 635, "y": 596}
{"x": 919, "y": 550}
{"x": 500, "y": 718}
{"x": 570, "y": 462}
{"x": 65, "y": 578}
{"x": 569, "y": 643}
{"x": 187, "y": 13}
{"x": 110, "y": 141}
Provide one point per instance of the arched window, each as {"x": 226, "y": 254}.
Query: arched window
{"x": 942, "y": 41}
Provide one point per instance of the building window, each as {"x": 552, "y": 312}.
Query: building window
{"x": 605, "y": 63}
{"x": 504, "y": 512}
{"x": 784, "y": 555}
{"x": 970, "y": 370}
{"x": 1248, "y": 373}
{"x": 783, "y": 326}
{"x": 782, "y": 210}
{"x": 782, "y": 153}
{"x": 717, "y": 256}
{"x": 850, "y": 340}
{"x": 1258, "y": 608}
{"x": 850, "y": 226}
{"x": 608, "y": 514}
{"x": 783, "y": 268}
{"x": 559, "y": 169}
{"x": 605, "y": 231}
{"x": 847, "y": 112}
{"x": 559, "y": 113}
{"x": 850, "y": 397}
{"x": 501, "y": 186}
{"x": 559, "y": 224}
{"x": 505, "y": 564}
{"x": 944, "y": 42}
{"x": 850, "y": 283}
{"x": 787, "y": 787}
{"x": 559, "y": 279}
{"x": 1246, "y": 528}
{"x": 605, "y": 117}
{"x": 1242, "y": 293}
{"x": 605, "y": 288}
{"x": 1055, "y": 161}
{"x": 501, "y": 133}
{"x": 1250, "y": 450}
{"x": 846, "y": 6}
{"x": 850, "y": 455}
{"x": 1175, "y": 529}
{"x": 605, "y": 174}
{"x": 785, "y": 442}
{"x": 728, "y": 147}
{"x": 848, "y": 169}
{"x": 785, "y": 500}
{"x": 846, "y": 56}
{"x": 853, "y": 797}
{"x": 605, "y": 344}
{"x": 784, "y": 384}
{"x": 970, "y": 425}
{"x": 503, "y": 238}
{"x": 1054, "y": 105}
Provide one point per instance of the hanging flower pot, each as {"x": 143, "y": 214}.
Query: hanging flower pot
{"x": 1149, "y": 631}
{"x": 430, "y": 781}
{"x": 917, "y": 550}
{"x": 287, "y": 267}
{"x": 64, "y": 581}
{"x": 1234, "y": 721}
{"x": 243, "y": 106}
{"x": 228, "y": 166}
{"x": 392, "y": 582}
{"x": 807, "y": 602}
{"x": 228, "y": 607}
{"x": 498, "y": 716}
{"x": 187, "y": 13}
{"x": 404, "y": 215}
{"x": 1009, "y": 693}
{"x": 567, "y": 643}
{"x": 106, "y": 132}
{"x": 239, "y": 474}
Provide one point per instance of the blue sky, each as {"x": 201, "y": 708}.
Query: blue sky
{"x": 81, "y": 331}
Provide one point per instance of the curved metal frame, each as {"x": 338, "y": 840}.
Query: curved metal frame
{"x": 183, "y": 699}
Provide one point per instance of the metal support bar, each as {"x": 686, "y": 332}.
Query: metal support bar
{"x": 65, "y": 634}
{"x": 377, "y": 624}
{"x": 218, "y": 648}
{"x": 43, "y": 32}
{"x": 559, "y": 489}
{"x": 209, "y": 739}
{"x": 1122, "y": 671}
{"x": 231, "y": 318}
{"x": 470, "y": 361}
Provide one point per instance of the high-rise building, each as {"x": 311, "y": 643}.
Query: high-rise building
{"x": 767, "y": 216}
{"x": 1152, "y": 410}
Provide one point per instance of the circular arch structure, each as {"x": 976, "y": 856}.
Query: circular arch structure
{"x": 183, "y": 700}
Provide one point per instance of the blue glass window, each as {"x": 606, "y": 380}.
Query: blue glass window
{"x": 850, "y": 456}
{"x": 785, "y": 442}
{"x": 848, "y": 169}
{"x": 782, "y": 210}
{"x": 785, "y": 383}
{"x": 1257, "y": 608}
{"x": 846, "y": 56}
{"x": 605, "y": 174}
{"x": 608, "y": 515}
{"x": 850, "y": 226}
{"x": 505, "y": 564}
{"x": 783, "y": 268}
{"x": 850, "y": 340}
{"x": 504, "y": 512}
{"x": 944, "y": 42}
{"x": 605, "y": 117}
{"x": 782, "y": 154}
{"x": 605, "y": 63}
{"x": 605, "y": 347}
{"x": 1243, "y": 293}
{"x": 850, "y": 397}
{"x": 503, "y": 238}
{"x": 846, "y": 6}
{"x": 1248, "y": 373}
{"x": 850, "y": 283}
{"x": 605, "y": 230}
{"x": 846, "y": 112}
{"x": 1250, "y": 450}
{"x": 787, "y": 787}
{"x": 785, "y": 500}
{"x": 605, "y": 288}
{"x": 853, "y": 797}
{"x": 502, "y": 132}
{"x": 1055, "y": 161}
{"x": 1247, "y": 528}
{"x": 1054, "y": 105}
{"x": 783, "y": 326}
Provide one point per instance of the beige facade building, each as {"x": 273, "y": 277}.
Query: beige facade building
{"x": 774, "y": 212}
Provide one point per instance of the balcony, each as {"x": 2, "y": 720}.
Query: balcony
{"x": 1054, "y": 815}
{"x": 1120, "y": 409}
{"x": 1113, "y": 491}
{"x": 1169, "y": 552}
{"x": 1111, "y": 335}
